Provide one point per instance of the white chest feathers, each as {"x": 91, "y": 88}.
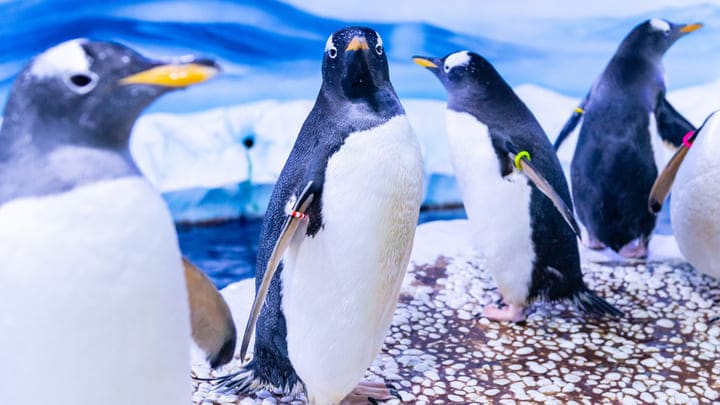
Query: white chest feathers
{"x": 93, "y": 306}
{"x": 498, "y": 208}
{"x": 695, "y": 202}
{"x": 341, "y": 286}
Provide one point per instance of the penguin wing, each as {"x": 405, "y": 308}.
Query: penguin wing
{"x": 571, "y": 123}
{"x": 671, "y": 125}
{"x": 663, "y": 183}
{"x": 212, "y": 323}
{"x": 521, "y": 159}
{"x": 295, "y": 214}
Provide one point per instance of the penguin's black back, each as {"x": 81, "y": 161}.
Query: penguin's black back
{"x": 613, "y": 168}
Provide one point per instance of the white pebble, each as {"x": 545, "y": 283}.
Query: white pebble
{"x": 665, "y": 323}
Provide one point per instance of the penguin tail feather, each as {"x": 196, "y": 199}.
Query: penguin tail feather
{"x": 590, "y": 303}
{"x": 246, "y": 382}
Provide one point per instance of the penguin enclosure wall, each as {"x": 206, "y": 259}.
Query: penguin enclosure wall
{"x": 555, "y": 162}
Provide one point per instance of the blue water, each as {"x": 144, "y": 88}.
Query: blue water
{"x": 227, "y": 251}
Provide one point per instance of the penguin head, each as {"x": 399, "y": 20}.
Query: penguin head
{"x": 464, "y": 74}
{"x": 92, "y": 92}
{"x": 654, "y": 37}
{"x": 355, "y": 65}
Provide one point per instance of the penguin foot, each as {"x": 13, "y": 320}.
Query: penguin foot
{"x": 593, "y": 244}
{"x": 512, "y": 313}
{"x": 370, "y": 392}
{"x": 636, "y": 249}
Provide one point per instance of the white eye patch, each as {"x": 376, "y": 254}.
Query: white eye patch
{"x": 329, "y": 44}
{"x": 461, "y": 58}
{"x": 68, "y": 57}
{"x": 330, "y": 48}
{"x": 660, "y": 25}
{"x": 379, "y": 39}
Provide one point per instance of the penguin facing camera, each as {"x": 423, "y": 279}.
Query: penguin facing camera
{"x": 513, "y": 188}
{"x": 617, "y": 154}
{"x": 337, "y": 234}
{"x": 93, "y": 302}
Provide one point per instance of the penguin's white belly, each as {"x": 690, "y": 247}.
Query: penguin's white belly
{"x": 695, "y": 206}
{"x": 93, "y": 306}
{"x": 498, "y": 208}
{"x": 340, "y": 287}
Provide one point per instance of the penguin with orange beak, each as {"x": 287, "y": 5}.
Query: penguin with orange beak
{"x": 93, "y": 299}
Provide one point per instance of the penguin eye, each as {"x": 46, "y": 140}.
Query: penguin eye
{"x": 82, "y": 83}
{"x": 379, "y": 49}
{"x": 80, "y": 80}
{"x": 447, "y": 68}
{"x": 332, "y": 52}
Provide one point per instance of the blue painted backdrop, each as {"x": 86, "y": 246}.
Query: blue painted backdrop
{"x": 271, "y": 49}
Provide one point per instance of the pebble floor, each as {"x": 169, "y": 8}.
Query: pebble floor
{"x": 438, "y": 351}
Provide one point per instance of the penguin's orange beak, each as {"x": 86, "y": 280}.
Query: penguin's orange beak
{"x": 358, "y": 43}
{"x": 424, "y": 62}
{"x": 691, "y": 27}
{"x": 175, "y": 75}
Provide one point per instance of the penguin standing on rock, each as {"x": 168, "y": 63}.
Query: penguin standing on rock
{"x": 337, "y": 234}
{"x": 93, "y": 302}
{"x": 694, "y": 175}
{"x": 514, "y": 191}
{"x": 615, "y": 161}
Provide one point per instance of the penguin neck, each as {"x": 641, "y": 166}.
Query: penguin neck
{"x": 637, "y": 72}
{"x": 494, "y": 106}
{"x": 39, "y": 159}
{"x": 375, "y": 107}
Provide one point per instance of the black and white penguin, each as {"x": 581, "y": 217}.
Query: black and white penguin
{"x": 93, "y": 302}
{"x": 694, "y": 175}
{"x": 513, "y": 187}
{"x": 617, "y": 153}
{"x": 339, "y": 229}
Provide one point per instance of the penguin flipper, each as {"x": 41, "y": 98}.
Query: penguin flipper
{"x": 213, "y": 328}
{"x": 663, "y": 183}
{"x": 671, "y": 125}
{"x": 571, "y": 123}
{"x": 546, "y": 188}
{"x": 296, "y": 214}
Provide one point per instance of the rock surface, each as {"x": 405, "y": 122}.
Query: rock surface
{"x": 665, "y": 350}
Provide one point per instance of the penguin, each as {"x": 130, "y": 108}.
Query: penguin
{"x": 693, "y": 173}
{"x": 513, "y": 188}
{"x": 337, "y": 235}
{"x": 617, "y": 154}
{"x": 93, "y": 303}
{"x": 211, "y": 322}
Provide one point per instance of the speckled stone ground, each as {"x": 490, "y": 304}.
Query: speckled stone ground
{"x": 666, "y": 349}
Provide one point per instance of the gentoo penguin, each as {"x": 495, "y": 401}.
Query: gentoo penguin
{"x": 694, "y": 174}
{"x": 615, "y": 161}
{"x": 93, "y": 302}
{"x": 211, "y": 321}
{"x": 337, "y": 234}
{"x": 515, "y": 195}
